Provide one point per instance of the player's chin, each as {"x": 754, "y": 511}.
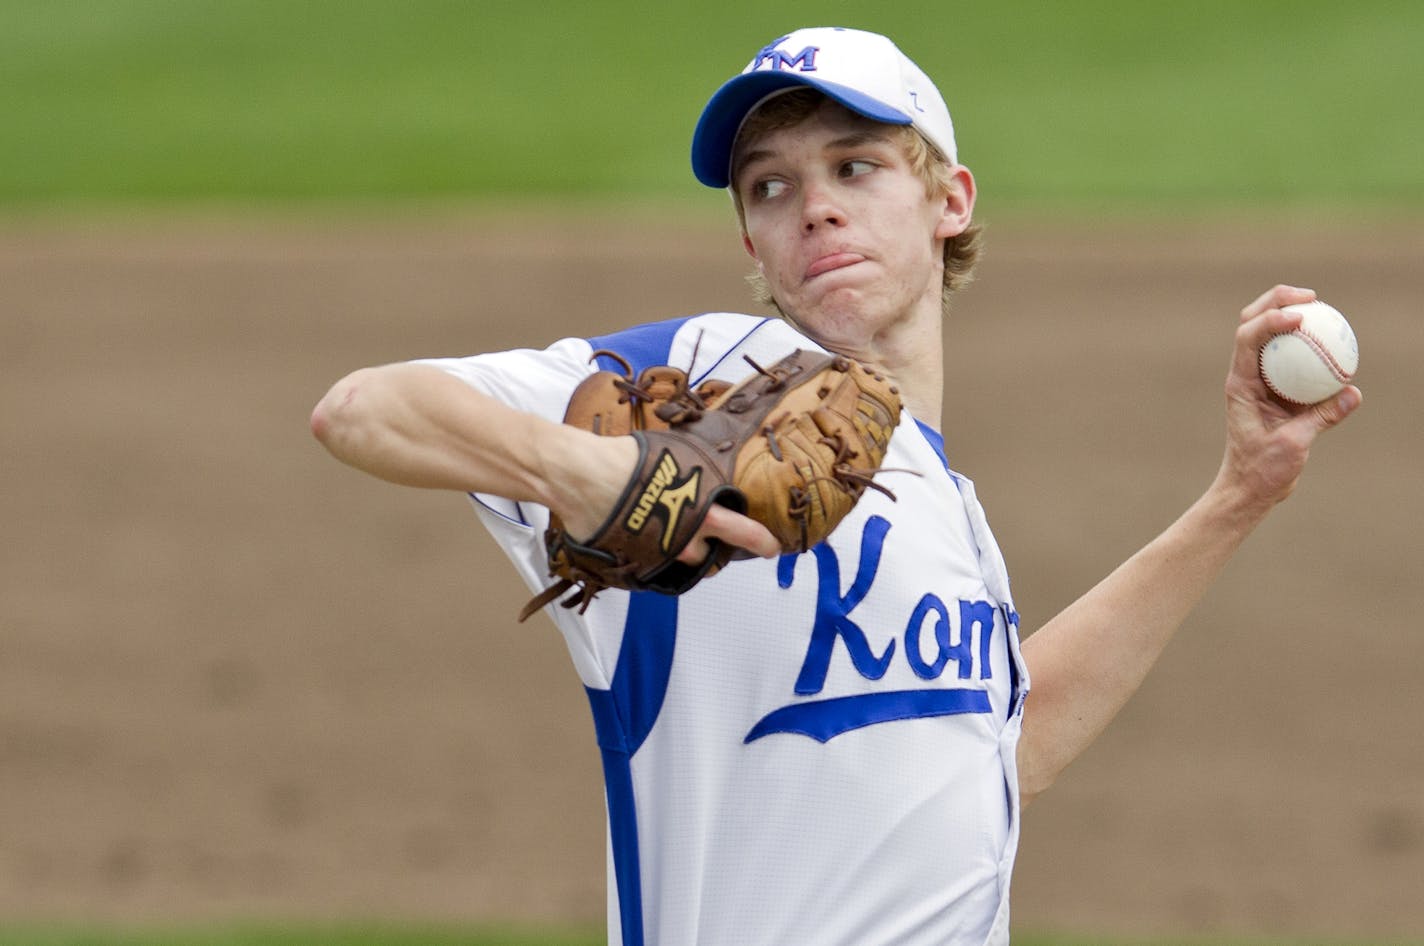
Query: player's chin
{"x": 845, "y": 287}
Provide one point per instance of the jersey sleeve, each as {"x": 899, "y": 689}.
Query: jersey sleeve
{"x": 533, "y": 381}
{"x": 537, "y": 382}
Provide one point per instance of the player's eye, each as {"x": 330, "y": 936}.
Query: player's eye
{"x": 768, "y": 188}
{"x": 855, "y": 168}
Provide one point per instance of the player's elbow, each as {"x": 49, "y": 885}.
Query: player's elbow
{"x": 1037, "y": 770}
{"x": 1032, "y": 784}
{"x": 336, "y": 416}
{"x": 320, "y": 421}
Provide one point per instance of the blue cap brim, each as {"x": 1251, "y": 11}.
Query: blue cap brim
{"x": 722, "y": 118}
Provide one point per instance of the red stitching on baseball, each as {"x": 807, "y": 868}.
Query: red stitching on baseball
{"x": 1317, "y": 346}
{"x": 1261, "y": 364}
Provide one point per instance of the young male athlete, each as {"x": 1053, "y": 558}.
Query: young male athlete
{"x": 833, "y": 747}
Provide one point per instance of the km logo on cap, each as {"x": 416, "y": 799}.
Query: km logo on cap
{"x": 805, "y": 60}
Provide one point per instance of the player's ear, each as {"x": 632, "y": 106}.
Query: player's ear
{"x": 957, "y": 209}
{"x": 751, "y": 250}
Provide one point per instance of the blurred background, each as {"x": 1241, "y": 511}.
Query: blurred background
{"x": 242, "y": 685}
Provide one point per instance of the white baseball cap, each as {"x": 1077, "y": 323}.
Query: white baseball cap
{"x": 863, "y": 71}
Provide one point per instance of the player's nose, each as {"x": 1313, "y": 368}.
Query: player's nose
{"x": 819, "y": 207}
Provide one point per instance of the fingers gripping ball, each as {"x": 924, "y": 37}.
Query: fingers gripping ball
{"x": 1316, "y": 360}
{"x": 794, "y": 446}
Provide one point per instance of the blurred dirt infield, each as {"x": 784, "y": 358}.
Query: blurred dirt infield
{"x": 238, "y": 679}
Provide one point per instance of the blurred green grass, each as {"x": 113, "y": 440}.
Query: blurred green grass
{"x": 1080, "y": 104}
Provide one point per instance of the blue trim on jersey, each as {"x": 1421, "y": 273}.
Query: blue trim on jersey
{"x": 647, "y": 345}
{"x": 623, "y": 835}
{"x": 643, "y": 345}
{"x": 823, "y": 720}
{"x": 623, "y": 716}
{"x": 644, "y": 663}
{"x": 936, "y": 440}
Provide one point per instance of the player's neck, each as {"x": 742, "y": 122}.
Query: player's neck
{"x": 922, "y": 390}
{"x": 908, "y": 350}
{"x": 912, "y": 354}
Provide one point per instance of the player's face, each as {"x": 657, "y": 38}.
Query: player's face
{"x": 843, "y": 230}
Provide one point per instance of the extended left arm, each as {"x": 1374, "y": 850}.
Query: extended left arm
{"x": 1086, "y": 662}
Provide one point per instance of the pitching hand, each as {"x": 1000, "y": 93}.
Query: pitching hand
{"x": 1269, "y": 440}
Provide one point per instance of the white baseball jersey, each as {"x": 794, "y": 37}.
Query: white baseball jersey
{"x": 817, "y": 749}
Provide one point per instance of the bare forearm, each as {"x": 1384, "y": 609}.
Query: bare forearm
{"x": 1088, "y": 661}
{"x": 417, "y": 426}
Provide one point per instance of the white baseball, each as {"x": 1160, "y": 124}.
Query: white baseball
{"x": 1316, "y": 360}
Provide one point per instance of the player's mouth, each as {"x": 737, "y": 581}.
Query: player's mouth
{"x": 831, "y": 262}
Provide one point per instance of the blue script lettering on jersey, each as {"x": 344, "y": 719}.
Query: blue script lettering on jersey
{"x": 833, "y": 610}
{"x": 805, "y": 60}
{"x": 972, "y": 614}
{"x": 824, "y": 719}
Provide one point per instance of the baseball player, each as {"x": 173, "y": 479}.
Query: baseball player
{"x": 830, "y": 747}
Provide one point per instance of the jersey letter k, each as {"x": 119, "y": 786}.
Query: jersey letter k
{"x": 833, "y": 611}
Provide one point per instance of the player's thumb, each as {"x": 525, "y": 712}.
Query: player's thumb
{"x": 733, "y": 528}
{"x": 1336, "y": 409}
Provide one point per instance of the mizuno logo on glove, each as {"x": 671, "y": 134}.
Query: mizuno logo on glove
{"x": 661, "y": 490}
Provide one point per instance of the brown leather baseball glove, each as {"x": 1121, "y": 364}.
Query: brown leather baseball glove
{"x": 793, "y": 446}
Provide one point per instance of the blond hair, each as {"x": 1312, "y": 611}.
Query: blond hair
{"x": 961, "y": 252}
